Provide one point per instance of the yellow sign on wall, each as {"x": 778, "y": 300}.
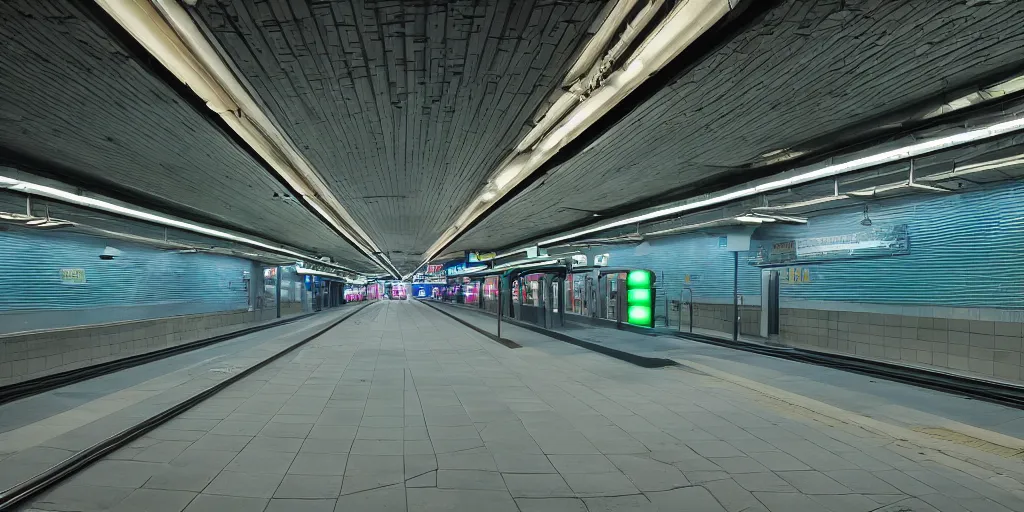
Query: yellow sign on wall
{"x": 72, "y": 275}
{"x": 797, "y": 275}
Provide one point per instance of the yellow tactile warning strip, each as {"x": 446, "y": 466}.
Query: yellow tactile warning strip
{"x": 963, "y": 439}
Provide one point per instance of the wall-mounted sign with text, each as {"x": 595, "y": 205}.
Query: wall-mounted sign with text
{"x": 870, "y": 243}
{"x": 72, "y": 276}
{"x": 796, "y": 275}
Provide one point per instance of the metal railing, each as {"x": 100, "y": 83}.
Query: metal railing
{"x": 689, "y": 306}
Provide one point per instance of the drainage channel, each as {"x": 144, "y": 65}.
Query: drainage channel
{"x": 17, "y": 495}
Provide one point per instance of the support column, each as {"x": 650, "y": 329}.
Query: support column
{"x": 735, "y": 296}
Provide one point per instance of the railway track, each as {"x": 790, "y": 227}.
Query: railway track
{"x": 21, "y": 493}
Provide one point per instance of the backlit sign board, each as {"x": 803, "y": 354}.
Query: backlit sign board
{"x": 640, "y": 298}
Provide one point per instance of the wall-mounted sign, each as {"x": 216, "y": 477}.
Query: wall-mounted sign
{"x": 579, "y": 260}
{"x": 601, "y": 260}
{"x": 478, "y": 257}
{"x": 796, "y": 275}
{"x": 692, "y": 278}
{"x": 72, "y": 275}
{"x": 870, "y": 243}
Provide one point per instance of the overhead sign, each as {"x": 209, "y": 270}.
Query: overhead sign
{"x": 72, "y": 275}
{"x": 460, "y": 267}
{"x": 478, "y": 257}
{"x": 435, "y": 269}
{"x": 870, "y": 243}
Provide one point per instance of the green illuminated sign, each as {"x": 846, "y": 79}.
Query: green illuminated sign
{"x": 640, "y": 298}
{"x": 638, "y": 279}
{"x": 639, "y": 315}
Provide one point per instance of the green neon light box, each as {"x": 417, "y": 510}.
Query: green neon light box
{"x": 640, "y": 298}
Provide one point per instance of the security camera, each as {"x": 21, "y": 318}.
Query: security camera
{"x": 109, "y": 253}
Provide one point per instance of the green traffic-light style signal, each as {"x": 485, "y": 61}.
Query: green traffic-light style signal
{"x": 640, "y": 298}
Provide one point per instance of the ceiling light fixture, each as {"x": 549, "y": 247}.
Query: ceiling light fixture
{"x": 964, "y": 170}
{"x": 774, "y": 184}
{"x": 578, "y": 111}
{"x": 167, "y": 31}
{"x": 25, "y": 187}
{"x": 1004, "y": 88}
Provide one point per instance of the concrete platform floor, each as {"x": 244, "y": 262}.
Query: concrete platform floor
{"x": 39, "y": 431}
{"x": 401, "y": 408}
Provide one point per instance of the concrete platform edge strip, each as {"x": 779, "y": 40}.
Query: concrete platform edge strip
{"x": 11, "y": 498}
{"x": 638, "y": 360}
{"x": 27, "y": 388}
{"x": 507, "y": 342}
{"x": 989, "y": 391}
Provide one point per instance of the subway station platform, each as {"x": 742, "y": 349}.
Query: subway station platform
{"x": 402, "y": 408}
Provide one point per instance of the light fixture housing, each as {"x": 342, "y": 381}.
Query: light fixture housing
{"x": 110, "y": 206}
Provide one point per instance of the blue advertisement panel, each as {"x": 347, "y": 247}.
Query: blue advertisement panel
{"x": 427, "y": 290}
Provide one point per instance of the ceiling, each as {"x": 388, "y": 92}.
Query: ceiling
{"x": 405, "y": 108}
{"x": 76, "y": 103}
{"x": 804, "y": 70}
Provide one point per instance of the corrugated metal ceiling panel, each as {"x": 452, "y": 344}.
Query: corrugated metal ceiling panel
{"x": 75, "y": 99}
{"x": 809, "y": 68}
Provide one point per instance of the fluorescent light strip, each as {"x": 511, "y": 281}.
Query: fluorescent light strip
{"x": 168, "y": 32}
{"x": 311, "y": 272}
{"x": 106, "y": 206}
{"x": 530, "y": 265}
{"x": 687, "y": 21}
{"x": 884, "y": 157}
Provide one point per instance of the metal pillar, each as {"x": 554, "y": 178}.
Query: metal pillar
{"x": 278, "y": 290}
{"x": 561, "y": 301}
{"x": 499, "y": 306}
{"x": 735, "y": 296}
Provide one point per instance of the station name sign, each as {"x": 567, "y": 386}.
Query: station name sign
{"x": 871, "y": 243}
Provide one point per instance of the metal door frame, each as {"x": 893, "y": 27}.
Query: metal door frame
{"x": 769, "y": 303}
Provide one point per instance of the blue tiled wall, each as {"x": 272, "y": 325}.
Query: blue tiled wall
{"x": 965, "y": 250}
{"x": 31, "y": 264}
